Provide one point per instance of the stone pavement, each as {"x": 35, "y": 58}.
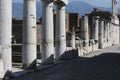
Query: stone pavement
{"x": 100, "y": 65}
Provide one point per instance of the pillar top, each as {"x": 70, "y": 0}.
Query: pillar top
{"x": 97, "y": 17}
{"x": 61, "y": 2}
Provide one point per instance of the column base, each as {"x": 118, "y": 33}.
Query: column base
{"x": 48, "y": 61}
{"x": 30, "y": 66}
{"x": 70, "y": 53}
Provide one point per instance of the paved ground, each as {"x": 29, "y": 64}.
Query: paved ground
{"x": 105, "y": 66}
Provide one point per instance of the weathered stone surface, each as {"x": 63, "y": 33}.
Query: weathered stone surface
{"x": 6, "y": 33}
{"x": 1, "y": 70}
{"x": 47, "y": 38}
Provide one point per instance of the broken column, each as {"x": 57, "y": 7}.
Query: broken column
{"x": 47, "y": 39}
{"x": 101, "y": 34}
{"x": 60, "y": 30}
{"x": 6, "y": 34}
{"x": 29, "y": 34}
{"x": 95, "y": 32}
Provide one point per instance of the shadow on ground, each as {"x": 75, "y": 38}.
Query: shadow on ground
{"x": 102, "y": 67}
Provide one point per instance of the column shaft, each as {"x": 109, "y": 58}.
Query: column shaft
{"x": 101, "y": 34}
{"x": 47, "y": 39}
{"x": 73, "y": 39}
{"x": 84, "y": 30}
{"x": 108, "y": 28}
{"x": 29, "y": 34}
{"x": 6, "y": 34}
{"x": 95, "y": 28}
{"x": 60, "y": 32}
{"x": 111, "y": 34}
{"x": 105, "y": 30}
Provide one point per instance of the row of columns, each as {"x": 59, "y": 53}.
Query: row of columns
{"x": 108, "y": 33}
{"x": 29, "y": 33}
{"x": 47, "y": 40}
{"x": 104, "y": 33}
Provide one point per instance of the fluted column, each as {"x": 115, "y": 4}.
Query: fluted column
{"x": 6, "y": 34}
{"x": 29, "y": 34}
{"x": 47, "y": 39}
{"x": 60, "y": 30}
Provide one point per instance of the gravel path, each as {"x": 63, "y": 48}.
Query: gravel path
{"x": 105, "y": 66}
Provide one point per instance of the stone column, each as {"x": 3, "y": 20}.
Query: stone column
{"x": 108, "y": 33}
{"x": 84, "y": 30}
{"x": 111, "y": 34}
{"x": 105, "y": 30}
{"x": 95, "y": 27}
{"x": 105, "y": 33}
{"x": 116, "y": 33}
{"x": 47, "y": 39}
{"x": 6, "y": 34}
{"x": 73, "y": 39}
{"x": 95, "y": 32}
{"x": 101, "y": 34}
{"x": 60, "y": 30}
{"x": 29, "y": 34}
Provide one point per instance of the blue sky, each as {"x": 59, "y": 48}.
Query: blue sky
{"x": 102, "y": 3}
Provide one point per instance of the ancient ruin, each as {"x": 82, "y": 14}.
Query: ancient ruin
{"x": 57, "y": 37}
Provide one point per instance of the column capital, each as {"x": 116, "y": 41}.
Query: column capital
{"x": 61, "y": 2}
{"x": 96, "y": 17}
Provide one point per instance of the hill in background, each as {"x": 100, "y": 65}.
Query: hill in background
{"x": 73, "y": 7}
